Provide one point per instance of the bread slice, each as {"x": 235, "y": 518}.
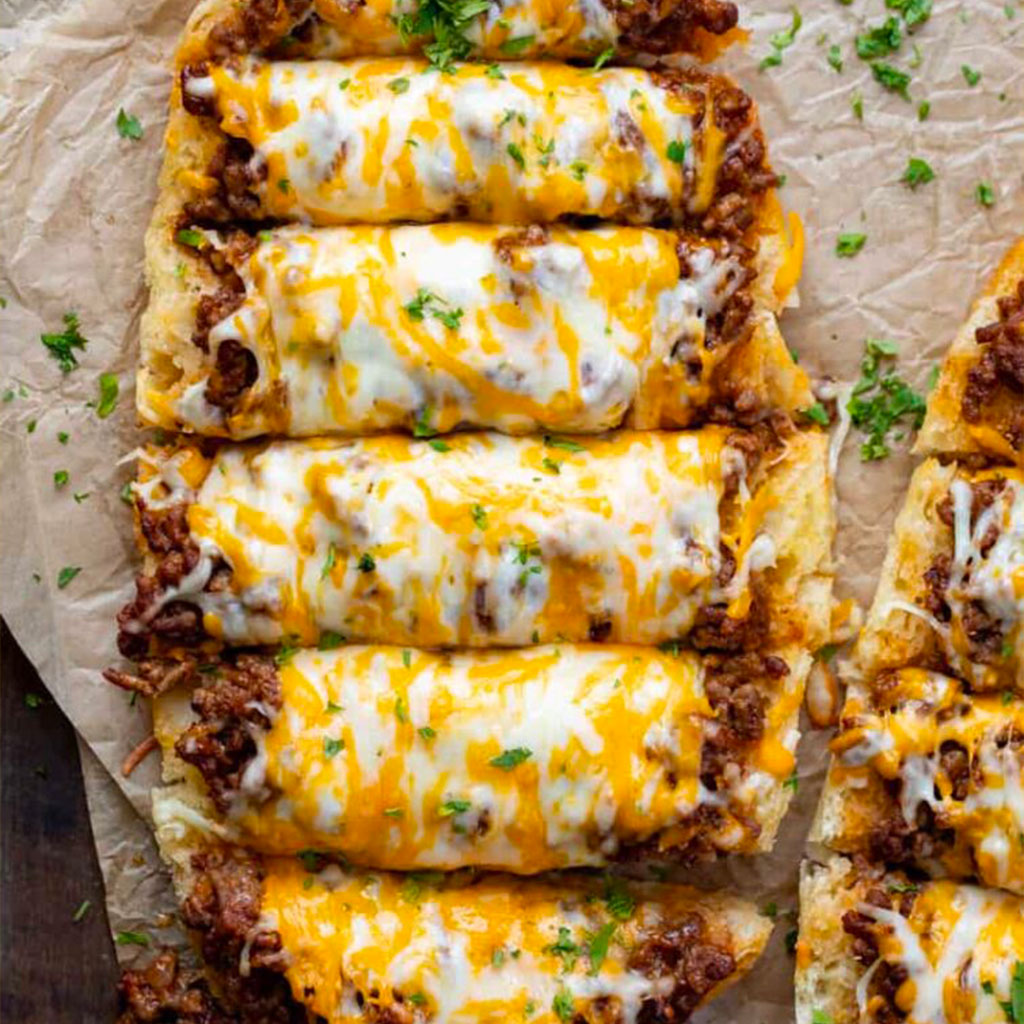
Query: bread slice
{"x": 995, "y": 434}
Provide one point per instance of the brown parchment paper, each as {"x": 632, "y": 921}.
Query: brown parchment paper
{"x": 73, "y": 208}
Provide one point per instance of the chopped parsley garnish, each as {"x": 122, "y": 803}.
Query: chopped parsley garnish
{"x": 816, "y": 413}
{"x": 366, "y": 563}
{"x": 971, "y": 77}
{"x": 283, "y": 185}
{"x": 83, "y": 909}
{"x": 393, "y": 812}
{"x": 793, "y": 782}
{"x": 494, "y": 71}
{"x": 33, "y": 700}
{"x": 329, "y": 640}
{"x": 891, "y": 78}
{"x": 563, "y": 1004}
{"x": 421, "y": 425}
{"x": 61, "y": 346}
{"x": 60, "y": 478}
{"x": 452, "y": 807}
{"x": 329, "y": 561}
{"x": 511, "y": 758}
{"x": 880, "y": 41}
{"x": 479, "y": 514}
{"x": 880, "y": 402}
{"x": 66, "y": 575}
{"x": 311, "y": 860}
{"x": 426, "y": 732}
{"x": 790, "y": 940}
{"x": 857, "y": 105}
{"x": 1017, "y": 993}
{"x": 619, "y": 902}
{"x": 399, "y": 85}
{"x": 109, "y": 389}
{"x": 603, "y": 57}
{"x": 597, "y": 946}
{"x": 676, "y": 151}
{"x": 564, "y": 948}
{"x": 427, "y": 302}
{"x": 565, "y": 443}
{"x": 401, "y": 712}
{"x": 835, "y": 57}
{"x": 782, "y": 41}
{"x": 287, "y": 651}
{"x": 918, "y": 172}
{"x": 407, "y": 657}
{"x": 850, "y": 243}
{"x": 551, "y": 466}
{"x": 333, "y": 746}
{"x": 914, "y": 12}
{"x": 332, "y": 708}
{"x": 439, "y": 446}
{"x": 820, "y": 1017}
{"x": 924, "y": 108}
{"x": 901, "y": 887}
{"x": 417, "y": 998}
{"x": 344, "y": 84}
{"x": 517, "y": 44}
{"x": 770, "y": 910}
{"x": 517, "y": 154}
{"x": 132, "y": 939}
{"x": 190, "y": 237}
{"x": 1007, "y": 695}
{"x": 128, "y": 126}
{"x": 985, "y": 194}
{"x": 443, "y": 22}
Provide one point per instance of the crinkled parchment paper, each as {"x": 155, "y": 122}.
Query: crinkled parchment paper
{"x": 73, "y": 208}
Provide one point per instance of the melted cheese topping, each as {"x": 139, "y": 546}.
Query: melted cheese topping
{"x": 960, "y": 946}
{"x": 992, "y": 574}
{"x": 480, "y": 953}
{"x": 481, "y": 540}
{"x": 367, "y": 327}
{"x": 527, "y": 761}
{"x": 927, "y": 714}
{"x": 526, "y": 28}
{"x": 391, "y": 140}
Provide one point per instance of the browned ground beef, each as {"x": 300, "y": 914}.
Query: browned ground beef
{"x": 221, "y": 743}
{"x": 164, "y": 992}
{"x": 177, "y": 622}
{"x": 1000, "y": 367}
{"x": 683, "y": 952}
{"x": 983, "y": 631}
{"x": 224, "y": 909}
{"x": 647, "y": 29}
{"x": 865, "y": 932}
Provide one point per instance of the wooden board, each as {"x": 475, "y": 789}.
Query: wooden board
{"x": 54, "y": 969}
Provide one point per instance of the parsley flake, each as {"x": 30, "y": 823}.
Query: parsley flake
{"x": 62, "y": 346}
{"x": 128, "y": 126}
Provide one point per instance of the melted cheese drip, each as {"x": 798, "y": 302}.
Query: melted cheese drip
{"x": 995, "y": 578}
{"x": 390, "y": 540}
{"x": 476, "y": 953}
{"x": 903, "y": 743}
{"x": 958, "y": 941}
{"x": 392, "y": 140}
{"x": 612, "y": 740}
{"x": 528, "y": 28}
{"x": 576, "y": 334}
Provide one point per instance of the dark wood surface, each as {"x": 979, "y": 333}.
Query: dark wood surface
{"x": 54, "y": 970}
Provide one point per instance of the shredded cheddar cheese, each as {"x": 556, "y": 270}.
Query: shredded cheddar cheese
{"x": 357, "y": 330}
{"x": 392, "y": 540}
{"x": 527, "y": 760}
{"x": 389, "y": 139}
